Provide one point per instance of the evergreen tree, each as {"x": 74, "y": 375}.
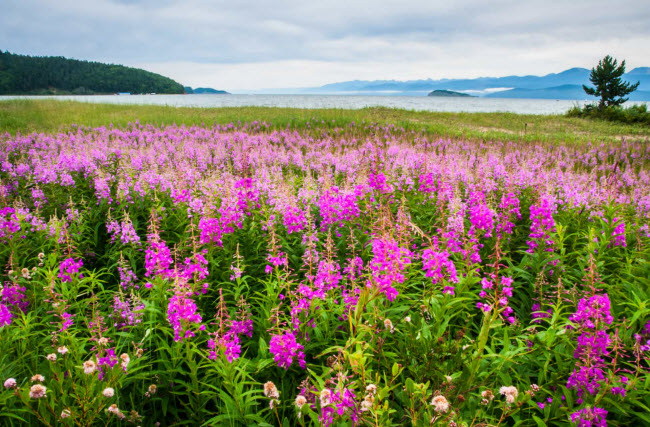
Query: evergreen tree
{"x": 606, "y": 77}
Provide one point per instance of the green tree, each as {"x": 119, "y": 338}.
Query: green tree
{"x": 606, "y": 77}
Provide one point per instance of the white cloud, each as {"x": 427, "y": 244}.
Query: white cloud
{"x": 290, "y": 43}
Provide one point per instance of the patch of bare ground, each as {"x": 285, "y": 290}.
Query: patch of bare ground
{"x": 644, "y": 138}
{"x": 491, "y": 129}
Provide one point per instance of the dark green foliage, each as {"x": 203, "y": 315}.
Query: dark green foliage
{"x": 22, "y": 74}
{"x": 632, "y": 115}
{"x": 606, "y": 77}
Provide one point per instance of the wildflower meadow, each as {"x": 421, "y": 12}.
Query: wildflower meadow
{"x": 352, "y": 275}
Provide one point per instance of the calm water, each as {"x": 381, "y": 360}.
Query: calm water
{"x": 422, "y": 103}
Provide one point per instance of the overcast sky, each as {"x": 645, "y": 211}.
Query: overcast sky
{"x": 245, "y": 44}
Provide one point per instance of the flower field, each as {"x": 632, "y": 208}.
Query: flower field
{"x": 356, "y": 275}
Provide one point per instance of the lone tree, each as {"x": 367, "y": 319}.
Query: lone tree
{"x": 606, "y": 76}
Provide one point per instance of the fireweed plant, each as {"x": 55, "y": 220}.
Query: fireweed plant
{"x": 357, "y": 275}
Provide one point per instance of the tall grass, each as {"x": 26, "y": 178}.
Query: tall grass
{"x": 52, "y": 115}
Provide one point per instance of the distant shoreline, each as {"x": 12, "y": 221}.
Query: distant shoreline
{"x": 342, "y": 102}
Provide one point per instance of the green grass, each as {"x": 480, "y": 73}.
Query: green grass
{"x": 26, "y": 116}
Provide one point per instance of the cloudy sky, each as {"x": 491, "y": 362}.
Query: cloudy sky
{"x": 246, "y": 44}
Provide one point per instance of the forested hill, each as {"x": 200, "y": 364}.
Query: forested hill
{"x": 22, "y": 74}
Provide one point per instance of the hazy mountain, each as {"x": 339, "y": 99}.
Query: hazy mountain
{"x": 560, "y": 92}
{"x": 564, "y": 85}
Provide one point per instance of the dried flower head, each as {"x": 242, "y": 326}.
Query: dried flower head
{"x": 510, "y": 392}
{"x": 371, "y": 389}
{"x": 89, "y": 367}
{"x": 125, "y": 360}
{"x": 325, "y": 397}
{"x": 487, "y": 394}
{"x": 271, "y": 391}
{"x": 38, "y": 378}
{"x": 37, "y": 391}
{"x": 113, "y": 409}
{"x": 389, "y": 325}
{"x": 440, "y": 403}
{"x": 300, "y": 400}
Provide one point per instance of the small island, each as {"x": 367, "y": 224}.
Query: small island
{"x": 448, "y": 93}
{"x": 205, "y": 91}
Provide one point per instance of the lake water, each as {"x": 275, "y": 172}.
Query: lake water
{"x": 421, "y": 103}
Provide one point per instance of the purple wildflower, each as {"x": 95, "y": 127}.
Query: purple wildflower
{"x": 590, "y": 417}
{"x": 181, "y": 313}
{"x": 388, "y": 264}
{"x": 69, "y": 266}
{"x": 285, "y": 349}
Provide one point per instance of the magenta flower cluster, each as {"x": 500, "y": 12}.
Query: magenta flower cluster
{"x": 342, "y": 402}
{"x": 5, "y": 315}
{"x": 9, "y": 223}
{"x": 285, "y": 350}
{"x": 389, "y": 261}
{"x": 182, "y": 313}
{"x": 230, "y": 341}
{"x": 543, "y": 225}
{"x": 124, "y": 230}
{"x": 158, "y": 259}
{"x": 438, "y": 266}
{"x": 495, "y": 292}
{"x": 126, "y": 312}
{"x": 590, "y": 417}
{"x": 591, "y": 318}
{"x": 106, "y": 362}
{"x": 69, "y": 267}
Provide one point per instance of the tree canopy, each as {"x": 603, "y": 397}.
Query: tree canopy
{"x": 606, "y": 77}
{"x": 22, "y": 74}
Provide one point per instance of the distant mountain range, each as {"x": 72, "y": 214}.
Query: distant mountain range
{"x": 564, "y": 85}
{"x": 561, "y": 92}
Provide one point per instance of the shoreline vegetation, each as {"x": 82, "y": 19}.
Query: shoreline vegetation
{"x": 637, "y": 114}
{"x": 25, "y": 116}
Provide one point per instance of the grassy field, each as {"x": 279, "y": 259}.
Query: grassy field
{"x": 52, "y": 115}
